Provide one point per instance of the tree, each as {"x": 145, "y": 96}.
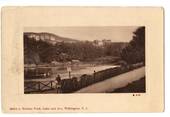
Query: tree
{"x": 135, "y": 51}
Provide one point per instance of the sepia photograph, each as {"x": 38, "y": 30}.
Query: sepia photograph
{"x": 89, "y": 59}
{"x": 75, "y": 59}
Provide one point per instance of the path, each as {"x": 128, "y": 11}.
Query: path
{"x": 114, "y": 82}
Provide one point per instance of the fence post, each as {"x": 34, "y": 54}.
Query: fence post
{"x": 69, "y": 74}
{"x": 39, "y": 87}
{"x": 94, "y": 75}
{"x": 51, "y": 85}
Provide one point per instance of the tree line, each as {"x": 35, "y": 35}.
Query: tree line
{"x": 40, "y": 51}
{"x": 64, "y": 51}
{"x": 135, "y": 50}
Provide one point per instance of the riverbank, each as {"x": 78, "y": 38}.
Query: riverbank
{"x": 108, "y": 80}
{"x": 76, "y": 70}
{"x": 135, "y": 87}
{"x": 115, "y": 82}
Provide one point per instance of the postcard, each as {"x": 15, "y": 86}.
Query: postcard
{"x": 82, "y": 59}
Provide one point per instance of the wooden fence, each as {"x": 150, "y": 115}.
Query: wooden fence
{"x": 74, "y": 84}
{"x": 31, "y": 86}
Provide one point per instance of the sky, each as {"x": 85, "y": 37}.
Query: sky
{"x": 113, "y": 33}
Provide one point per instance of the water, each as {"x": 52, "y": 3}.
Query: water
{"x": 76, "y": 71}
{"x": 80, "y": 71}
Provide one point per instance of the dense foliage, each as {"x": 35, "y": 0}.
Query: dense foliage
{"x": 39, "y": 51}
{"x": 135, "y": 51}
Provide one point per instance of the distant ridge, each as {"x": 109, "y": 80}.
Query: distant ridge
{"x": 49, "y": 37}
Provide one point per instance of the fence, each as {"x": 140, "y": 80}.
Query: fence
{"x": 31, "y": 86}
{"x": 73, "y": 84}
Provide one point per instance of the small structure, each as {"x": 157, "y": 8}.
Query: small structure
{"x": 75, "y": 62}
{"x": 54, "y": 63}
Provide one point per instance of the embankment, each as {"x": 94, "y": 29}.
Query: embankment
{"x": 115, "y": 82}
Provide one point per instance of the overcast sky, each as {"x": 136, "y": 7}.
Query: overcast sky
{"x": 114, "y": 33}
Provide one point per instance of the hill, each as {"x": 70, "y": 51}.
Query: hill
{"x": 49, "y": 37}
{"x": 47, "y": 47}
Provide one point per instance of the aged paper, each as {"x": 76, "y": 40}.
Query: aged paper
{"x": 121, "y": 61}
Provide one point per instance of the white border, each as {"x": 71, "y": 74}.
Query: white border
{"x": 163, "y": 3}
